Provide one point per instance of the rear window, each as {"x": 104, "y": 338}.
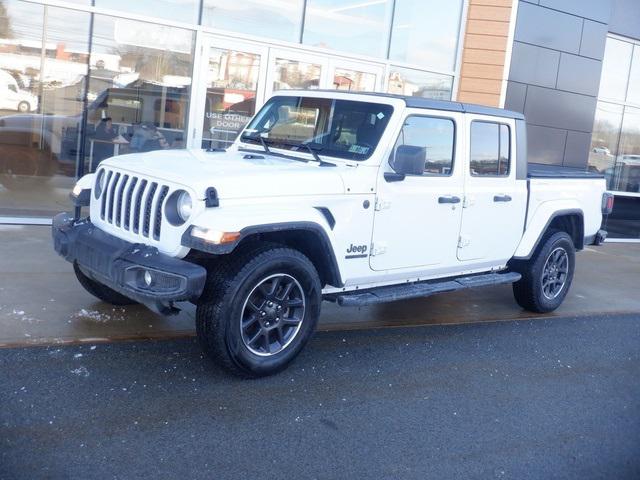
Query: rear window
{"x": 490, "y": 152}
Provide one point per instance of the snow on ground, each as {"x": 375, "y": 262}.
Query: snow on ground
{"x": 100, "y": 317}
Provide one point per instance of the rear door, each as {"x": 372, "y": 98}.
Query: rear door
{"x": 417, "y": 219}
{"x": 495, "y": 202}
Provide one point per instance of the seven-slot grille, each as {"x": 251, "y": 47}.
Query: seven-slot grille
{"x": 133, "y": 204}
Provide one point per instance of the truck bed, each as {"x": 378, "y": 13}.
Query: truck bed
{"x": 539, "y": 170}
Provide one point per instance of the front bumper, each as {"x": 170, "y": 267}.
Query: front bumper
{"x": 123, "y": 266}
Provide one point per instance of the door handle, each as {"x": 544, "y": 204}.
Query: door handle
{"x": 501, "y": 198}
{"x": 449, "y": 199}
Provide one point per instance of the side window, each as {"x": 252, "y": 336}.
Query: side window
{"x": 490, "y": 152}
{"x": 435, "y": 137}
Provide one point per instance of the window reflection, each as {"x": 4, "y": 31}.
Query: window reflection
{"x": 615, "y": 70}
{"x": 489, "y": 153}
{"x": 139, "y": 88}
{"x": 295, "y": 74}
{"x": 43, "y": 55}
{"x": 604, "y": 139}
{"x": 352, "y": 80}
{"x": 347, "y": 26}
{"x": 633, "y": 92}
{"x": 434, "y": 137}
{"x": 627, "y": 169}
{"x": 232, "y": 82}
{"x": 404, "y": 81}
{"x": 279, "y": 19}
{"x": 176, "y": 10}
{"x": 425, "y": 32}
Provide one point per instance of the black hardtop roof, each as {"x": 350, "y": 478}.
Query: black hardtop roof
{"x": 444, "y": 105}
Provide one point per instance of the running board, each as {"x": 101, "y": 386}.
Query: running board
{"x": 393, "y": 293}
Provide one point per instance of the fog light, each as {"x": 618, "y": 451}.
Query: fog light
{"x": 148, "y": 279}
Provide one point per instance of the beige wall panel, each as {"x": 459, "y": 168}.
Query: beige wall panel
{"x": 486, "y": 42}
{"x": 482, "y": 12}
{"x": 487, "y": 27}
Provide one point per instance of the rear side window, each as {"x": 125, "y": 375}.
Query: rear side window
{"x": 490, "y": 149}
{"x": 435, "y": 137}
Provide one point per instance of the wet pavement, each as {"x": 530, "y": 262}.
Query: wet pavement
{"x": 540, "y": 399}
{"x": 41, "y": 301}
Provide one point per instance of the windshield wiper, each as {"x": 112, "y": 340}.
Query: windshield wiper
{"x": 311, "y": 150}
{"x": 259, "y": 137}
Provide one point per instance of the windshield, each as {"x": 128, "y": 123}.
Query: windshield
{"x": 336, "y": 128}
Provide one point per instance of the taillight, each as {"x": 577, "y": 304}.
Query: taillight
{"x": 607, "y": 203}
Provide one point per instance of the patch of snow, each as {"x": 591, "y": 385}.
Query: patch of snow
{"x": 96, "y": 316}
{"x": 77, "y": 355}
{"x": 80, "y": 371}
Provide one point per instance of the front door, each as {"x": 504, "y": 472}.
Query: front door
{"x": 495, "y": 202}
{"x": 228, "y": 90}
{"x": 417, "y": 220}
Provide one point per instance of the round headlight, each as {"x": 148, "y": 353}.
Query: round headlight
{"x": 184, "y": 206}
{"x": 99, "y": 186}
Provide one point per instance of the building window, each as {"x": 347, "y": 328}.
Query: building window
{"x": 176, "y": 10}
{"x": 43, "y": 63}
{"x": 615, "y": 141}
{"x": 354, "y": 27}
{"x": 278, "y": 19}
{"x": 140, "y": 85}
{"x": 425, "y": 33}
{"x": 406, "y": 81}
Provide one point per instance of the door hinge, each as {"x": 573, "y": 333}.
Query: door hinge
{"x": 463, "y": 241}
{"x": 378, "y": 248}
{"x": 382, "y": 204}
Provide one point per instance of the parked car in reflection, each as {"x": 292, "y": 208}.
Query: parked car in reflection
{"x": 625, "y": 175}
{"x": 12, "y": 97}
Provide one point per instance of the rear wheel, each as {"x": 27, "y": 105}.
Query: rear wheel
{"x": 101, "y": 291}
{"x": 24, "y": 107}
{"x": 547, "y": 275}
{"x": 259, "y": 309}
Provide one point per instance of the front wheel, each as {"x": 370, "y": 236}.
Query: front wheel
{"x": 259, "y": 309}
{"x": 24, "y": 107}
{"x": 547, "y": 276}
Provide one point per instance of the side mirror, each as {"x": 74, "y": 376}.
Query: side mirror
{"x": 410, "y": 160}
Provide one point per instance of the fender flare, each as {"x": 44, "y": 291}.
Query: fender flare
{"x": 267, "y": 228}
{"x": 559, "y": 213}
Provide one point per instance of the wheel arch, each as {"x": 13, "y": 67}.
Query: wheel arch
{"x": 309, "y": 238}
{"x": 569, "y": 220}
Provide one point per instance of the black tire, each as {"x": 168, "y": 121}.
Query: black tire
{"x": 101, "y": 291}
{"x": 24, "y": 107}
{"x": 224, "y": 306}
{"x": 542, "y": 288}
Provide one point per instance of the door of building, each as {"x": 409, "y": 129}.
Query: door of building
{"x": 290, "y": 69}
{"x": 227, "y": 90}
{"x": 355, "y": 76}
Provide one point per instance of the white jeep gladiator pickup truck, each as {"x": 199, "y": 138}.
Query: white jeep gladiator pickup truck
{"x": 351, "y": 198}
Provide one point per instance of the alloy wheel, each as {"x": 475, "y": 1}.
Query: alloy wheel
{"x": 272, "y": 314}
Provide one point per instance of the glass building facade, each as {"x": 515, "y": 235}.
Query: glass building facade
{"x": 615, "y": 141}
{"x": 83, "y": 80}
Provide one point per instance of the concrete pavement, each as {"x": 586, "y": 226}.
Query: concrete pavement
{"x": 42, "y": 303}
{"x": 545, "y": 399}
